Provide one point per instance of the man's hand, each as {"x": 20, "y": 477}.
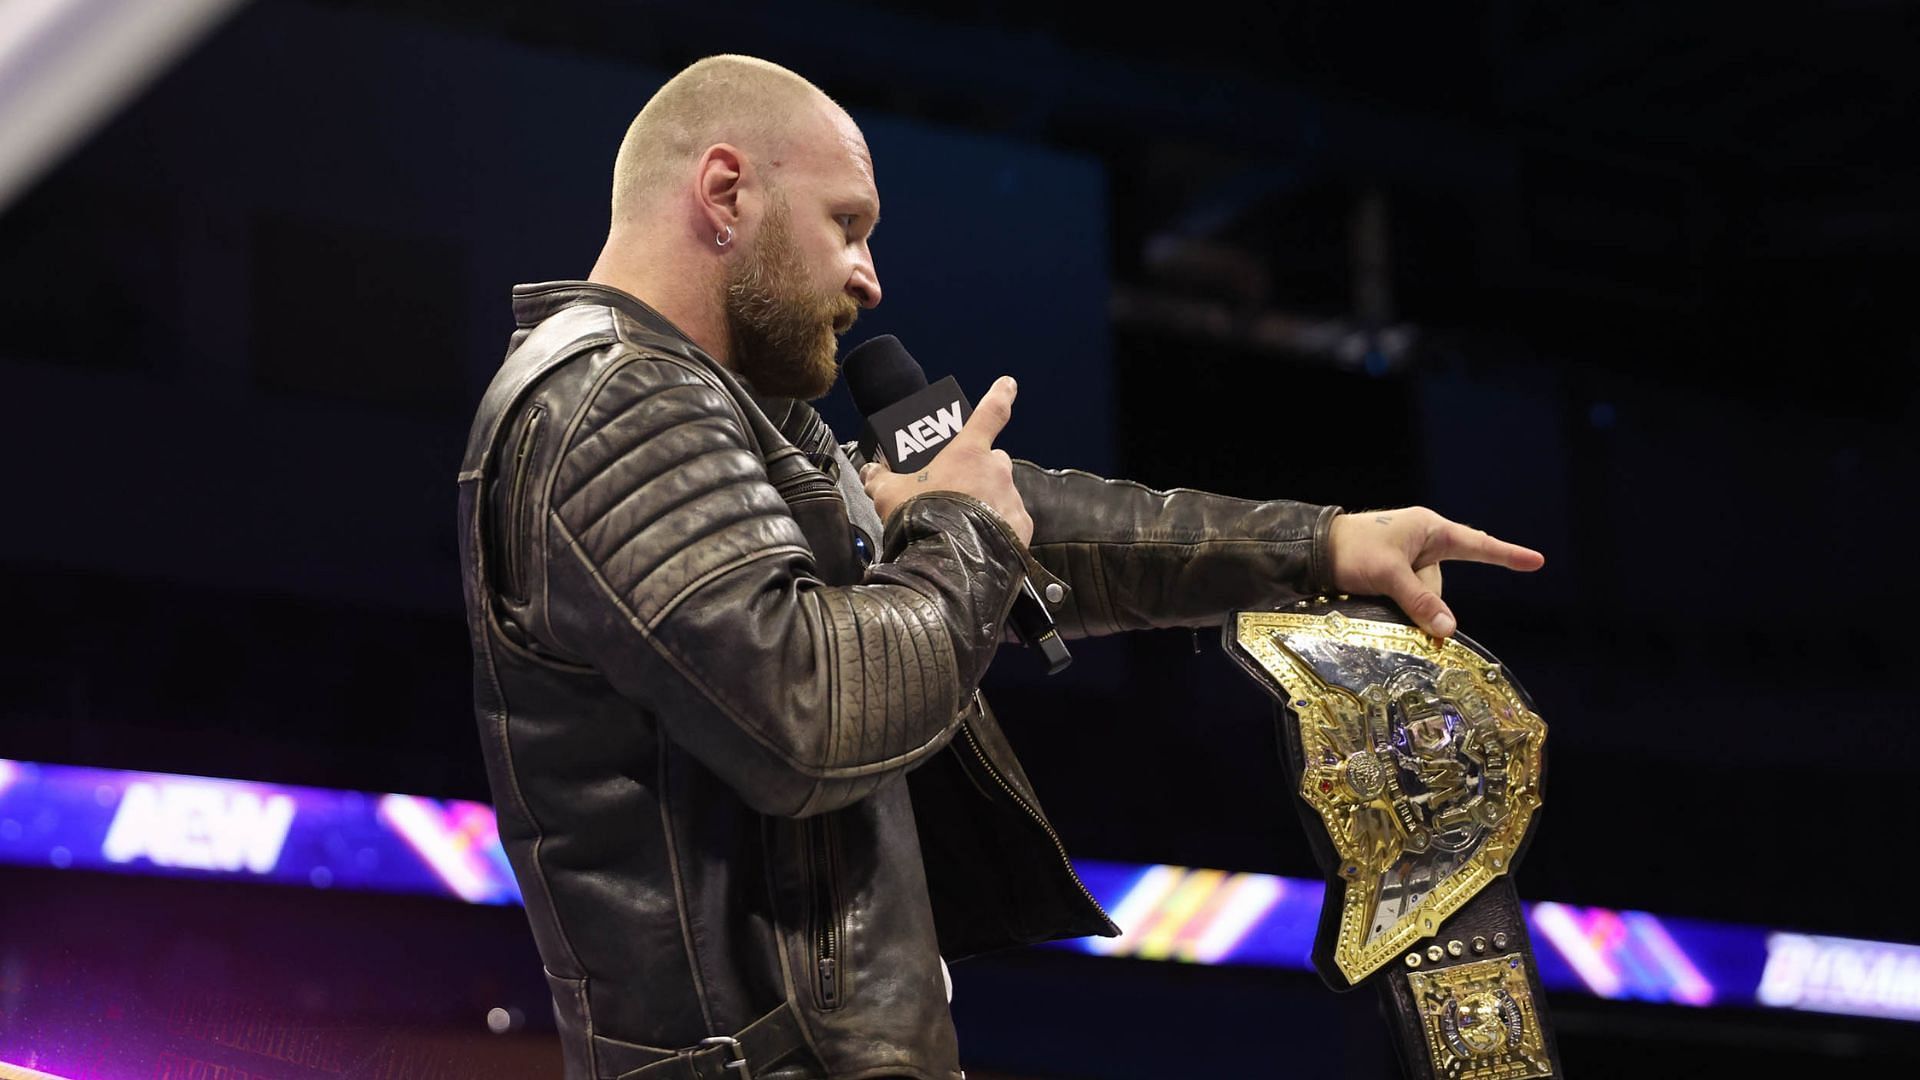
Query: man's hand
{"x": 967, "y": 464}
{"x": 1397, "y": 554}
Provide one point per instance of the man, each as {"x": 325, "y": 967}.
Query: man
{"x": 745, "y": 780}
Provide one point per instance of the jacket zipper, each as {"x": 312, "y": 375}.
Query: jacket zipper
{"x": 1059, "y": 847}
{"x": 518, "y": 512}
{"x": 826, "y": 931}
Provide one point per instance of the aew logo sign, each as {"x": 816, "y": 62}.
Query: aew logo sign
{"x": 907, "y": 434}
{"x": 199, "y": 825}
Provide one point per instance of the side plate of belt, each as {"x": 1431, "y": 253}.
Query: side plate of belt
{"x": 1419, "y": 765}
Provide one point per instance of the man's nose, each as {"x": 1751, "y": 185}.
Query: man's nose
{"x": 864, "y": 285}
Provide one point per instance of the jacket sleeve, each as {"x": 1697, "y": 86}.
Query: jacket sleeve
{"x": 1135, "y": 558}
{"x": 675, "y": 569}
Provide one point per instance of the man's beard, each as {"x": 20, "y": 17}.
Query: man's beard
{"x": 783, "y": 341}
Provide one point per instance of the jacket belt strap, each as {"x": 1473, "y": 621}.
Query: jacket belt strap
{"x": 742, "y": 1056}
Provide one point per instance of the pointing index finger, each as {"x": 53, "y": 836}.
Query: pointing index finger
{"x": 1460, "y": 542}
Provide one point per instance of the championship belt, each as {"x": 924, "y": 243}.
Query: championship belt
{"x": 1419, "y": 764}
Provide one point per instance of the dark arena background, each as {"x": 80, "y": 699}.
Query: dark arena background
{"x": 1628, "y": 283}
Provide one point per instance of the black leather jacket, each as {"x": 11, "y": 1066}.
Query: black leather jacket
{"x": 733, "y": 766}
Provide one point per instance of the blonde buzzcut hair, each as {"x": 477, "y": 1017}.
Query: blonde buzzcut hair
{"x": 748, "y": 102}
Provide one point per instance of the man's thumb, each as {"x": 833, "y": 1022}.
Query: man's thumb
{"x": 1421, "y": 604}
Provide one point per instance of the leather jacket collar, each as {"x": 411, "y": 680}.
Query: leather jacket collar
{"x": 536, "y": 303}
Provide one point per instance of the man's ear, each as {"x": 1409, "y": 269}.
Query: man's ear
{"x": 717, "y": 186}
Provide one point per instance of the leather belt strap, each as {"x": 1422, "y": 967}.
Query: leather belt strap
{"x": 1468, "y": 1004}
{"x": 744, "y": 1055}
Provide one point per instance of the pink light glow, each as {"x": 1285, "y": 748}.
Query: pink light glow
{"x": 10, "y": 1071}
{"x": 448, "y": 840}
{"x": 1686, "y": 985}
{"x": 1584, "y": 948}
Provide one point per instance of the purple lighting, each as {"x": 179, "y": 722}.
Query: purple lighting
{"x": 189, "y": 826}
{"x": 458, "y": 841}
{"x": 68, "y": 817}
{"x": 10, "y": 1071}
{"x": 1622, "y": 954}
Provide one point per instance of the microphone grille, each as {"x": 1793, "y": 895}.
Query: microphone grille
{"x": 881, "y": 372}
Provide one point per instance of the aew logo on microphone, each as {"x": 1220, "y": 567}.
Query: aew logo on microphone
{"x": 907, "y": 434}
{"x": 927, "y": 432}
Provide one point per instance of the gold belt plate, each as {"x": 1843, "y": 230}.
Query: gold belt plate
{"x": 1480, "y": 1021}
{"x": 1421, "y": 758}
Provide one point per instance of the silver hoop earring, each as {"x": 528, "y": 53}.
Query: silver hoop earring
{"x": 724, "y": 236}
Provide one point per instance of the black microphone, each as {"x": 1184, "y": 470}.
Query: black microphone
{"x": 908, "y": 421}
